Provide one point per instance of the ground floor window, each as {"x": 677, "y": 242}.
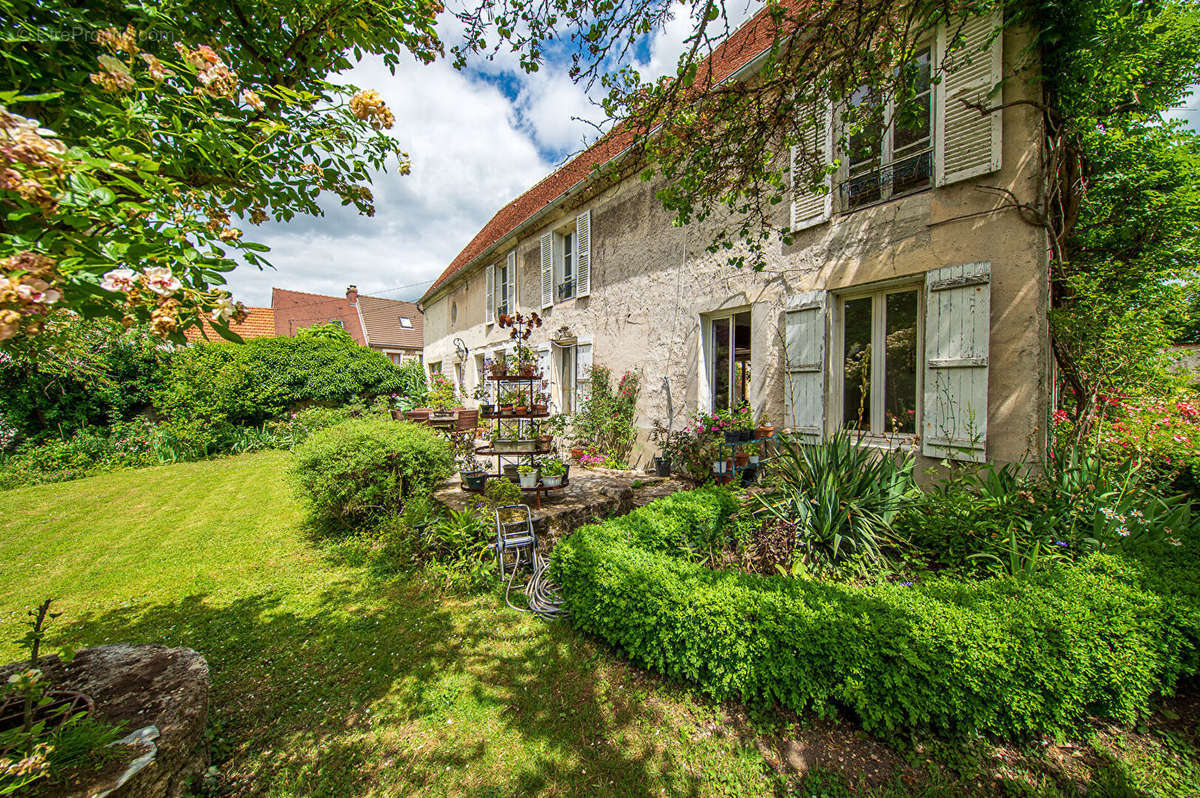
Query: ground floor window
{"x": 566, "y": 378}
{"x": 729, "y": 364}
{"x": 879, "y": 337}
{"x": 435, "y": 368}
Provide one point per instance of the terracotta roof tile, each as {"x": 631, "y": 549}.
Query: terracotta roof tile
{"x": 259, "y": 323}
{"x": 742, "y": 47}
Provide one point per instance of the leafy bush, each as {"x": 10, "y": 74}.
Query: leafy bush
{"x": 78, "y": 374}
{"x": 1076, "y": 504}
{"x": 361, "y": 472}
{"x": 840, "y": 498}
{"x": 502, "y": 492}
{"x": 1012, "y": 656}
{"x": 246, "y": 384}
{"x": 604, "y": 423}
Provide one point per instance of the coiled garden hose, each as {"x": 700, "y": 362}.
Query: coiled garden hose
{"x": 542, "y": 597}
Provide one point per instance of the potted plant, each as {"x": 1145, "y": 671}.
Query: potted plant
{"x": 442, "y": 397}
{"x": 765, "y": 429}
{"x": 522, "y": 327}
{"x": 499, "y": 365}
{"x": 540, "y": 403}
{"x": 508, "y": 400}
{"x": 528, "y": 475}
{"x": 741, "y": 458}
{"x": 510, "y": 472}
{"x": 553, "y": 471}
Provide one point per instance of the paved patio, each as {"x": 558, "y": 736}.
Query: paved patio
{"x": 594, "y": 493}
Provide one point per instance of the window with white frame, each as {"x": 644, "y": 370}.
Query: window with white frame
{"x": 566, "y": 254}
{"x": 728, "y": 359}
{"x": 564, "y": 271}
{"x": 504, "y": 285}
{"x": 891, "y": 143}
{"x": 878, "y": 336}
{"x": 407, "y": 323}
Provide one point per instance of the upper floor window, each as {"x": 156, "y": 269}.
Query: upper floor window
{"x": 891, "y": 148}
{"x": 565, "y": 279}
{"x": 501, "y": 288}
{"x": 504, "y": 301}
{"x": 567, "y": 261}
{"x": 407, "y": 323}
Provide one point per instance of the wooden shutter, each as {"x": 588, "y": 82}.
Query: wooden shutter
{"x": 547, "y": 270}
{"x": 804, "y": 374}
{"x": 971, "y": 61}
{"x": 583, "y": 253}
{"x": 810, "y": 208}
{"x": 511, "y": 262}
{"x": 583, "y": 371}
{"x": 957, "y": 327}
{"x": 489, "y": 295}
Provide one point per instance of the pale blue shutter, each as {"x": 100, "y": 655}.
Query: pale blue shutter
{"x": 957, "y": 329}
{"x": 804, "y": 373}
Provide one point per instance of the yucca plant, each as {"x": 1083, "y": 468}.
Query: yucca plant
{"x": 841, "y": 497}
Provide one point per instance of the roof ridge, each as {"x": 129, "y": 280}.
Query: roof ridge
{"x": 734, "y": 49}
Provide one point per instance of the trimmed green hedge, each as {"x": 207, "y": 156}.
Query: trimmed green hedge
{"x": 1015, "y": 657}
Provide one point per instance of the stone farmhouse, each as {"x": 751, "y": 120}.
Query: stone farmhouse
{"x": 909, "y": 253}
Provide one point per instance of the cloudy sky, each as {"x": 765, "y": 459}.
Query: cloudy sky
{"x": 477, "y": 139}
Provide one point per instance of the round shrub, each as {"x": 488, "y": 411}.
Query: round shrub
{"x": 360, "y": 472}
{"x": 1016, "y": 657}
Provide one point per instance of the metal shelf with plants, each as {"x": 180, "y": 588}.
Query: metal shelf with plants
{"x": 517, "y": 417}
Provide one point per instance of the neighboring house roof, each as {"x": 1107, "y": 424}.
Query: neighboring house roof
{"x": 373, "y": 321}
{"x": 384, "y": 320}
{"x": 742, "y": 47}
{"x": 259, "y": 323}
{"x": 295, "y": 310}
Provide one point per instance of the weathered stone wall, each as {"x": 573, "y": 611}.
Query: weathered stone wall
{"x": 651, "y": 283}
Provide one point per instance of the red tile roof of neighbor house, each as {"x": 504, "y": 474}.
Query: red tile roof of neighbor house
{"x": 259, "y": 323}
{"x": 743, "y": 46}
{"x": 295, "y": 310}
{"x": 381, "y": 317}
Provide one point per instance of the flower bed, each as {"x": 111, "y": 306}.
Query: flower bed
{"x": 1011, "y": 656}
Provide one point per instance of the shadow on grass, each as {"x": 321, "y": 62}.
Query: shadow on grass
{"x": 392, "y": 688}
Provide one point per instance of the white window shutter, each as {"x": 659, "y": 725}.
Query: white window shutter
{"x": 804, "y": 373}
{"x": 511, "y": 262}
{"x": 583, "y": 253}
{"x": 811, "y": 208}
{"x": 547, "y": 270}
{"x": 583, "y": 372}
{"x": 957, "y": 328}
{"x": 489, "y": 298}
{"x": 967, "y": 143}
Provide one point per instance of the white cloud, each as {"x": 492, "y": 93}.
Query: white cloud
{"x": 473, "y": 150}
{"x": 469, "y": 158}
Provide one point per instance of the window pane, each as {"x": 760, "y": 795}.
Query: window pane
{"x": 913, "y": 125}
{"x": 856, "y": 386}
{"x": 865, "y": 145}
{"x": 741, "y": 358}
{"x": 900, "y": 360}
{"x": 720, "y": 364}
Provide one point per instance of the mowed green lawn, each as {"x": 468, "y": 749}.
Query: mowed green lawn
{"x": 332, "y": 679}
{"x": 332, "y": 676}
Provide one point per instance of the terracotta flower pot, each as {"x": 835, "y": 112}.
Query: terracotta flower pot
{"x": 765, "y": 431}
{"x": 521, "y": 410}
{"x": 576, "y": 452}
{"x": 741, "y": 458}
